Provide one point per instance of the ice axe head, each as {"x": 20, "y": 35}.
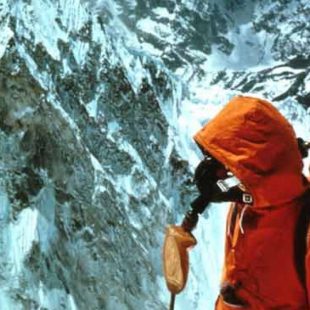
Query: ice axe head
{"x": 175, "y": 257}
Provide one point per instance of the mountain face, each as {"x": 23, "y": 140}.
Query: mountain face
{"x": 98, "y": 103}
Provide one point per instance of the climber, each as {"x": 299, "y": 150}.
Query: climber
{"x": 262, "y": 270}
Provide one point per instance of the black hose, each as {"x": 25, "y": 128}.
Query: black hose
{"x": 304, "y": 147}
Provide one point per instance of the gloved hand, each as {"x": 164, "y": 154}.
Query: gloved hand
{"x": 208, "y": 171}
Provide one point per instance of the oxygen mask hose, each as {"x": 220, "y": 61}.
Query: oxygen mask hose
{"x": 190, "y": 221}
{"x": 304, "y": 147}
{"x": 191, "y": 217}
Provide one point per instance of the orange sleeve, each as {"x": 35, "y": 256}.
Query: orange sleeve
{"x": 308, "y": 265}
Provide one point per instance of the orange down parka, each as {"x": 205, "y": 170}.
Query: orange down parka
{"x": 258, "y": 145}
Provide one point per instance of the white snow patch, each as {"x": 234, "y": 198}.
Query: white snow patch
{"x": 80, "y": 50}
{"x": 72, "y": 304}
{"x": 5, "y": 36}
{"x": 4, "y": 206}
{"x": 163, "y": 12}
{"x": 147, "y": 47}
{"x": 96, "y": 164}
{"x": 160, "y": 30}
{"x": 74, "y": 14}
{"x": 91, "y": 108}
{"x": 50, "y": 298}
{"x": 97, "y": 34}
{"x": 22, "y": 234}
{"x": 113, "y": 127}
{"x": 42, "y": 15}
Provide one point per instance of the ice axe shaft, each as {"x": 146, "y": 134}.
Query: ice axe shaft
{"x": 172, "y": 301}
{"x": 178, "y": 240}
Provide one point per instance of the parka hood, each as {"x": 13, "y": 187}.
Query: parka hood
{"x": 258, "y": 145}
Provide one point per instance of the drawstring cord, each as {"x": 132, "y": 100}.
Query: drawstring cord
{"x": 241, "y": 218}
{"x": 230, "y": 219}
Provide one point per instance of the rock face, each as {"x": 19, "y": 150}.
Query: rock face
{"x": 98, "y": 102}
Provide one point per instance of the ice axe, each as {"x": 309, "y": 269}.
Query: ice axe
{"x": 176, "y": 262}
